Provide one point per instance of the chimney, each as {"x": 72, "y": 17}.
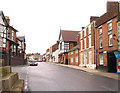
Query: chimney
{"x": 8, "y": 20}
{"x": 113, "y": 6}
{"x": 93, "y": 18}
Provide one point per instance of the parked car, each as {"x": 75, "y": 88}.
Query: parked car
{"x": 33, "y": 63}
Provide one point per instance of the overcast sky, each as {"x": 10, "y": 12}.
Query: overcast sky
{"x": 40, "y": 20}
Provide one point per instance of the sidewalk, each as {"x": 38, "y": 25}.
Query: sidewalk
{"x": 93, "y": 71}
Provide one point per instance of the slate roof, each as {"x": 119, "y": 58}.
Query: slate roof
{"x": 68, "y": 35}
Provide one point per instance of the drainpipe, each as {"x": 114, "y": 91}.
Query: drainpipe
{"x": 95, "y": 45}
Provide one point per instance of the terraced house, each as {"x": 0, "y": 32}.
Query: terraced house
{"x": 106, "y": 37}
{"x": 87, "y": 45}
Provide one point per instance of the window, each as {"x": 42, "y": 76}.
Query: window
{"x": 75, "y": 43}
{"x": 89, "y": 41}
{"x": 101, "y": 58}
{"x": 85, "y": 43}
{"x": 109, "y": 26}
{"x": 76, "y": 59}
{"x": 90, "y": 57}
{"x": 71, "y": 53}
{"x": 71, "y": 60}
{"x": 81, "y": 57}
{"x": 85, "y": 33}
{"x": 61, "y": 46}
{"x": 81, "y": 44}
{"x": 66, "y": 46}
{"x": 110, "y": 40}
{"x": 100, "y": 38}
{"x": 89, "y": 29}
{"x": 76, "y": 51}
{"x": 100, "y": 30}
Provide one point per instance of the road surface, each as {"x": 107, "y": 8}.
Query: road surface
{"x": 51, "y": 77}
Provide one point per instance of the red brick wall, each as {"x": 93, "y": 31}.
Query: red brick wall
{"x": 74, "y": 55}
{"x": 105, "y": 40}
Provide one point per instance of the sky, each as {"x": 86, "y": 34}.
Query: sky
{"x": 40, "y": 20}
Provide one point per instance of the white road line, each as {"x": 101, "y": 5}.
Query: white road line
{"x": 25, "y": 87}
{"x": 26, "y": 79}
{"x": 108, "y": 88}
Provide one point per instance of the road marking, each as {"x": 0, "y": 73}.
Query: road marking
{"x": 25, "y": 87}
{"x": 26, "y": 79}
{"x": 108, "y": 88}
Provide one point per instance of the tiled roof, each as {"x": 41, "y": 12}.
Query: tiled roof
{"x": 69, "y": 35}
{"x": 106, "y": 17}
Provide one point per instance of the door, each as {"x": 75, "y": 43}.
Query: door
{"x": 112, "y": 62}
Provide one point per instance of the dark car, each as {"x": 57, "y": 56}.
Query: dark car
{"x": 33, "y": 63}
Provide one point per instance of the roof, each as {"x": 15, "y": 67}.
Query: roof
{"x": 69, "y": 35}
{"x": 106, "y": 17}
{"x": 21, "y": 38}
{"x": 112, "y": 12}
{"x": 4, "y": 19}
{"x": 13, "y": 28}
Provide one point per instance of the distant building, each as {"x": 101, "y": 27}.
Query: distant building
{"x": 67, "y": 40}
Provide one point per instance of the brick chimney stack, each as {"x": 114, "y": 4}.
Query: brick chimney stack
{"x": 93, "y": 18}
{"x": 113, "y": 6}
{"x": 8, "y": 20}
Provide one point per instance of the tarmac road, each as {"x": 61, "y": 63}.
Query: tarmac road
{"x": 51, "y": 77}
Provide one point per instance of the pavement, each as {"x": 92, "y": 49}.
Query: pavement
{"x": 93, "y": 71}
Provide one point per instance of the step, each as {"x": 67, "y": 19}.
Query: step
{"x": 18, "y": 86}
{"x": 5, "y": 70}
{"x": 9, "y": 80}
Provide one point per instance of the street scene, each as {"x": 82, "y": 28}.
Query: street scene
{"x": 52, "y": 77}
{"x": 60, "y": 46}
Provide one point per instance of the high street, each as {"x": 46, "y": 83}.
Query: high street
{"x": 51, "y": 77}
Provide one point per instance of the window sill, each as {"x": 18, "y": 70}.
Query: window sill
{"x": 100, "y": 48}
{"x": 110, "y": 46}
{"x": 109, "y": 30}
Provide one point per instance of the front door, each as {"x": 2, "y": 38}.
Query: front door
{"x": 112, "y": 62}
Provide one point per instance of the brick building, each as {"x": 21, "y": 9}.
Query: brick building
{"x": 87, "y": 45}
{"x": 67, "y": 40}
{"x": 106, "y": 37}
{"x": 10, "y": 44}
{"x": 55, "y": 52}
{"x": 73, "y": 56}
{"x": 47, "y": 55}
